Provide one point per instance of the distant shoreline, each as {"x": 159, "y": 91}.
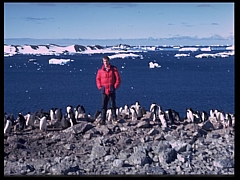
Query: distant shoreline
{"x": 112, "y": 42}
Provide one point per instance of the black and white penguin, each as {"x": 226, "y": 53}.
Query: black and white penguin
{"x": 153, "y": 111}
{"x": 176, "y": 116}
{"x": 133, "y": 113}
{"x": 5, "y": 118}
{"x": 71, "y": 117}
{"x": 8, "y": 125}
{"x": 21, "y": 122}
{"x": 190, "y": 114}
{"x": 64, "y": 122}
{"x": 52, "y": 114}
{"x": 43, "y": 123}
{"x": 197, "y": 118}
{"x": 139, "y": 110}
{"x": 204, "y": 115}
{"x": 162, "y": 118}
{"x": 68, "y": 108}
{"x": 169, "y": 116}
{"x": 58, "y": 113}
{"x": 29, "y": 120}
{"x": 109, "y": 114}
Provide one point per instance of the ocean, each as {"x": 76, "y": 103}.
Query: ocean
{"x": 179, "y": 83}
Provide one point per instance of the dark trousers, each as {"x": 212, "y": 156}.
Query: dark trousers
{"x": 105, "y": 99}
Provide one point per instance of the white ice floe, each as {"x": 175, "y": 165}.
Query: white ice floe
{"x": 230, "y": 48}
{"x": 188, "y": 49}
{"x": 59, "y": 61}
{"x": 181, "y": 55}
{"x": 206, "y": 49}
{"x": 220, "y": 54}
{"x": 154, "y": 65}
{"x": 128, "y": 55}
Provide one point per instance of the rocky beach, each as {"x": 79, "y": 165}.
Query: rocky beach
{"x": 131, "y": 147}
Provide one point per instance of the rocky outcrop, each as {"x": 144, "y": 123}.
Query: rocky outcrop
{"x": 130, "y": 147}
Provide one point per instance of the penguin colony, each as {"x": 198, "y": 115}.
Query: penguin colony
{"x": 56, "y": 119}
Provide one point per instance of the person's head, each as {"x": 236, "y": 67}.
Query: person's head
{"x": 106, "y": 60}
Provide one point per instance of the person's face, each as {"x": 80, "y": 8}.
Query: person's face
{"x": 105, "y": 62}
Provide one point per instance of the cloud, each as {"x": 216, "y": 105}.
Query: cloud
{"x": 214, "y": 24}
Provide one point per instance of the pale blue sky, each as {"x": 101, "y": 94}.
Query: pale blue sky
{"x": 118, "y": 20}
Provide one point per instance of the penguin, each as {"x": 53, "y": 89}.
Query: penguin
{"x": 80, "y": 112}
{"x": 216, "y": 115}
{"x": 71, "y": 117}
{"x": 159, "y": 110}
{"x": 138, "y": 109}
{"x": 228, "y": 120}
{"x": 64, "y": 122}
{"x": 211, "y": 113}
{"x": 197, "y": 118}
{"x": 8, "y": 125}
{"x": 232, "y": 119}
{"x": 52, "y": 114}
{"x": 120, "y": 111}
{"x": 126, "y": 112}
{"x": 169, "y": 116}
{"x": 21, "y": 122}
{"x": 190, "y": 114}
{"x": 109, "y": 114}
{"x": 153, "y": 111}
{"x": 76, "y": 113}
{"x": 43, "y": 123}
{"x": 133, "y": 112}
{"x": 222, "y": 118}
{"x": 68, "y": 108}
{"x": 58, "y": 113}
{"x": 204, "y": 116}
{"x": 29, "y": 120}
{"x": 176, "y": 116}
{"x": 162, "y": 118}
{"x": 5, "y": 118}
{"x": 35, "y": 118}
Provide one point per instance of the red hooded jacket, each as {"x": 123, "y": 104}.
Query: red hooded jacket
{"x": 108, "y": 81}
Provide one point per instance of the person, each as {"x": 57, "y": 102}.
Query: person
{"x": 108, "y": 81}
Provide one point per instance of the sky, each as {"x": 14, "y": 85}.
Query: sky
{"x": 119, "y": 20}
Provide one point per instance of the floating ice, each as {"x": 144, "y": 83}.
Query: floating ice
{"x": 153, "y": 65}
{"x": 180, "y": 55}
{"x": 59, "y": 61}
{"x": 125, "y": 55}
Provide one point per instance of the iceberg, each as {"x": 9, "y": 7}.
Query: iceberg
{"x": 124, "y": 55}
{"x": 153, "y": 65}
{"x": 59, "y": 61}
{"x": 181, "y": 55}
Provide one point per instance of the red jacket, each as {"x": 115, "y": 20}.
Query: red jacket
{"x": 108, "y": 81}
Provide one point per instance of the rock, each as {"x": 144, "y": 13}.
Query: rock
{"x": 138, "y": 147}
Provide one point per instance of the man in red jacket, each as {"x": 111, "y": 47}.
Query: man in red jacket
{"x": 108, "y": 80}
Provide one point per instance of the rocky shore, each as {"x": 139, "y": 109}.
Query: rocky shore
{"x": 130, "y": 147}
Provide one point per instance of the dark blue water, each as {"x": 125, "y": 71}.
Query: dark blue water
{"x": 202, "y": 84}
